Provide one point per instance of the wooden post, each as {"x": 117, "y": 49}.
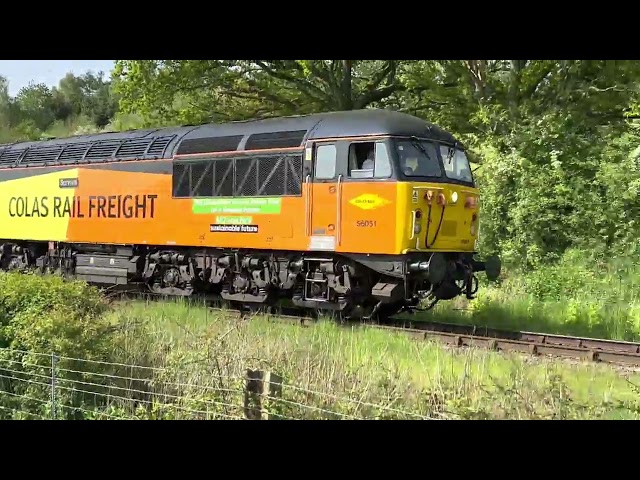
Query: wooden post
{"x": 260, "y": 386}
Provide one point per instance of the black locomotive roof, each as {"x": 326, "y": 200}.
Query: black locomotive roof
{"x": 279, "y": 132}
{"x": 297, "y": 129}
{"x": 377, "y": 122}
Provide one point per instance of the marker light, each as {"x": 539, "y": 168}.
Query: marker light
{"x": 416, "y": 224}
{"x": 428, "y": 196}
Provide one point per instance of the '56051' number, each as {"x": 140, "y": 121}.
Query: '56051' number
{"x": 365, "y": 223}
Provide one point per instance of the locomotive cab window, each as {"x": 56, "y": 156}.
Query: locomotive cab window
{"x": 456, "y": 164}
{"x": 325, "y": 167}
{"x": 418, "y": 158}
{"x": 369, "y": 160}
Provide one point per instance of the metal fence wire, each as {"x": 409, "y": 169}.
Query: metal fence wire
{"x": 51, "y": 387}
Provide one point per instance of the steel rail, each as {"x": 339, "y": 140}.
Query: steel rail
{"x": 547, "y": 339}
{"x": 599, "y": 354}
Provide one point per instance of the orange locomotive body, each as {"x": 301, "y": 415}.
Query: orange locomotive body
{"x": 361, "y": 212}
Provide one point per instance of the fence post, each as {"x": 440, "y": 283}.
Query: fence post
{"x": 54, "y": 360}
{"x": 260, "y": 386}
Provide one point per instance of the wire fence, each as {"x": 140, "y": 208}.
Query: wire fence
{"x": 49, "y": 387}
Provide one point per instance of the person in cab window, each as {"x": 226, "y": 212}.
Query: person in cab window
{"x": 369, "y": 162}
{"x": 465, "y": 174}
{"x": 408, "y": 163}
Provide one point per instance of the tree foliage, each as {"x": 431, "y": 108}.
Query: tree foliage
{"x": 37, "y": 108}
{"x": 219, "y": 90}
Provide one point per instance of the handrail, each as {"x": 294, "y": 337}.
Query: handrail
{"x": 307, "y": 206}
{"x": 339, "y": 211}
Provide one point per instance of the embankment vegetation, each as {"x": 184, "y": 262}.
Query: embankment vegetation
{"x": 174, "y": 360}
{"x": 580, "y": 294}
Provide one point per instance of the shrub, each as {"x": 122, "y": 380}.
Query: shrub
{"x": 41, "y": 316}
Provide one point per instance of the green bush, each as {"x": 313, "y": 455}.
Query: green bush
{"x": 569, "y": 278}
{"x": 49, "y": 314}
{"x": 43, "y": 316}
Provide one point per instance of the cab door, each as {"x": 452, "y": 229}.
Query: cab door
{"x": 323, "y": 197}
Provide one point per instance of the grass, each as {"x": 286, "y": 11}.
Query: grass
{"x": 352, "y": 370}
{"x": 575, "y": 297}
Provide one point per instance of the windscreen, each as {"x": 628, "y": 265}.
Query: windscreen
{"x": 418, "y": 158}
{"x": 456, "y": 164}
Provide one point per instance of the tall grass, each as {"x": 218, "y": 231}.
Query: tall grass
{"x": 577, "y": 296}
{"x": 349, "y": 370}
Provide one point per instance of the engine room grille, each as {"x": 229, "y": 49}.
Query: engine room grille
{"x": 255, "y": 176}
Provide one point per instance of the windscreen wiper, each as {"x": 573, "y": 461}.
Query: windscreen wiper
{"x": 416, "y": 143}
{"x": 450, "y": 153}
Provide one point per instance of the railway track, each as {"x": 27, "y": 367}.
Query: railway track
{"x": 531, "y": 343}
{"x": 597, "y": 350}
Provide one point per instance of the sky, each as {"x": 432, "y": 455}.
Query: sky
{"x": 20, "y": 73}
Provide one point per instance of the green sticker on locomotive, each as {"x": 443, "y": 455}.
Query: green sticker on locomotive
{"x": 255, "y": 205}
{"x": 229, "y": 220}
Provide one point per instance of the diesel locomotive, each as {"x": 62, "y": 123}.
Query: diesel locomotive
{"x": 357, "y": 212}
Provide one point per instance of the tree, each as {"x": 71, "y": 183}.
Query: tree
{"x": 211, "y": 90}
{"x": 492, "y": 97}
{"x": 36, "y": 105}
{"x": 89, "y": 94}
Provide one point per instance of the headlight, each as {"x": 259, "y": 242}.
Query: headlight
{"x": 454, "y": 197}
